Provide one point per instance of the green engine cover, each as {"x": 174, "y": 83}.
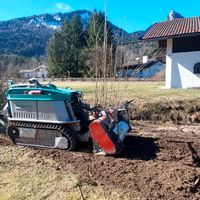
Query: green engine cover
{"x": 38, "y": 92}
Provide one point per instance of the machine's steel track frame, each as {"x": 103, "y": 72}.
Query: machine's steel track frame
{"x": 65, "y": 131}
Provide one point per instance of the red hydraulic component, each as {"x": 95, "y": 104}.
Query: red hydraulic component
{"x": 101, "y": 136}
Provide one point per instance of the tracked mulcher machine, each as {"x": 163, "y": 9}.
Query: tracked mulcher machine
{"x": 49, "y": 117}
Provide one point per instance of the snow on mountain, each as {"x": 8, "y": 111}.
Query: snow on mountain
{"x": 56, "y": 17}
{"x": 55, "y": 21}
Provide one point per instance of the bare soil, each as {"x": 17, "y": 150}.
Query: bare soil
{"x": 158, "y": 162}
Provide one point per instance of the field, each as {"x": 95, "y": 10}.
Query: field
{"x": 150, "y": 91}
{"x": 152, "y": 102}
{"x": 160, "y": 160}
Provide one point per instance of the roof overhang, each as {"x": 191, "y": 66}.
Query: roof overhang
{"x": 139, "y": 65}
{"x": 170, "y": 37}
{"x": 177, "y": 28}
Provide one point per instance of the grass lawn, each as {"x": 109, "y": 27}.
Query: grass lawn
{"x": 147, "y": 91}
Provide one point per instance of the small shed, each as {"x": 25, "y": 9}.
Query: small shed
{"x": 181, "y": 40}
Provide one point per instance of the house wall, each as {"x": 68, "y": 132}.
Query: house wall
{"x": 41, "y": 73}
{"x": 27, "y": 75}
{"x": 168, "y": 70}
{"x": 180, "y": 68}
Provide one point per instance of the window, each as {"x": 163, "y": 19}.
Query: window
{"x": 162, "y": 44}
{"x": 186, "y": 44}
{"x": 197, "y": 68}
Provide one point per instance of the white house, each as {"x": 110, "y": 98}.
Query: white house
{"x": 141, "y": 70}
{"x": 181, "y": 39}
{"x": 39, "y": 72}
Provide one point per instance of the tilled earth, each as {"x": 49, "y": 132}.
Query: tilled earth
{"x": 158, "y": 162}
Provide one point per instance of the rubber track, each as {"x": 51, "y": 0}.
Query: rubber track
{"x": 68, "y": 133}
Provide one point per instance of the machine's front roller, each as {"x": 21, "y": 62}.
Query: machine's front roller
{"x": 60, "y": 138}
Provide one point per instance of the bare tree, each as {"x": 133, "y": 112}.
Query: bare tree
{"x": 2, "y": 94}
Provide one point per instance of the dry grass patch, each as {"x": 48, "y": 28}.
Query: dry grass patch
{"x": 147, "y": 91}
{"x": 24, "y": 177}
{"x": 152, "y": 101}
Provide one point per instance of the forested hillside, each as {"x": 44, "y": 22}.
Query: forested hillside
{"x": 24, "y": 41}
{"x": 29, "y": 36}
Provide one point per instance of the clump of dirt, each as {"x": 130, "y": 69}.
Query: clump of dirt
{"x": 187, "y": 111}
{"x": 4, "y": 141}
{"x": 158, "y": 162}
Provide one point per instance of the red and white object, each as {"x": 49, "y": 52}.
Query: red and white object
{"x": 35, "y": 92}
{"x": 101, "y": 136}
{"x": 109, "y": 134}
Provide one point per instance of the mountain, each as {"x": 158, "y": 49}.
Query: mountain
{"x": 29, "y": 36}
{"x": 55, "y": 21}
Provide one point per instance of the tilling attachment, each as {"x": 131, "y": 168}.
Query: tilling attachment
{"x": 109, "y": 134}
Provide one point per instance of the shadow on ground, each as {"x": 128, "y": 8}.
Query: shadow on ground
{"x": 140, "y": 148}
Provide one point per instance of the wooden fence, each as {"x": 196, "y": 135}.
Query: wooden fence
{"x": 92, "y": 80}
{"x": 50, "y": 80}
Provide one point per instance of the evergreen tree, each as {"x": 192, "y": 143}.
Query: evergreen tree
{"x": 77, "y": 39}
{"x": 99, "y": 45}
{"x": 65, "y": 49}
{"x": 96, "y": 29}
{"x": 73, "y": 51}
{"x": 57, "y": 53}
{"x": 53, "y": 69}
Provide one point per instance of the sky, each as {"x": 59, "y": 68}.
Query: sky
{"x": 130, "y": 15}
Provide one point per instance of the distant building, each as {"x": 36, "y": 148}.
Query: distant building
{"x": 39, "y": 72}
{"x": 181, "y": 40}
{"x": 142, "y": 70}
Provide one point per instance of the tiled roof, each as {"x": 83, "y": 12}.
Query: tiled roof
{"x": 32, "y": 70}
{"x": 173, "y": 28}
